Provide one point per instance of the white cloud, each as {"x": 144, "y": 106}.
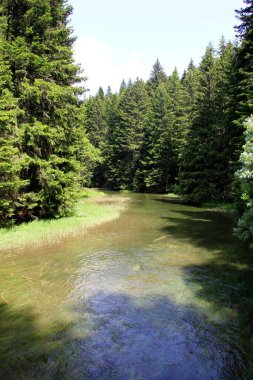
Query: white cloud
{"x": 103, "y": 66}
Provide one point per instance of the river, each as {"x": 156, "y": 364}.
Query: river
{"x": 153, "y": 295}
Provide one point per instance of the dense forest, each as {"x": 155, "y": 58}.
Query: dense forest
{"x": 191, "y": 135}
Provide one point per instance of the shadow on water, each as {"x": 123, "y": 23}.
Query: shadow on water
{"x": 226, "y": 279}
{"x": 149, "y": 339}
{"x": 24, "y": 346}
{"x": 119, "y": 337}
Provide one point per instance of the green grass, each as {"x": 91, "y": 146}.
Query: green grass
{"x": 90, "y": 211}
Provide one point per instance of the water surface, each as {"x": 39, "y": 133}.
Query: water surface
{"x": 153, "y": 295}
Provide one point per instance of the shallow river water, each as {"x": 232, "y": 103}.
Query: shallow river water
{"x": 149, "y": 296}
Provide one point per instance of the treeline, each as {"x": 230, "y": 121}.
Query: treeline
{"x": 171, "y": 132}
{"x": 183, "y": 134}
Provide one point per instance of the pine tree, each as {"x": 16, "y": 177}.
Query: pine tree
{"x": 157, "y": 75}
{"x": 196, "y": 178}
{"x": 109, "y": 91}
{"x": 96, "y": 125}
{"x": 126, "y": 136}
{"x": 123, "y": 86}
{"x": 190, "y": 83}
{"x": 245, "y": 60}
{"x": 179, "y": 99}
{"x": 38, "y": 47}
{"x": 211, "y": 153}
{"x": 157, "y": 155}
{"x": 10, "y": 160}
{"x": 228, "y": 134}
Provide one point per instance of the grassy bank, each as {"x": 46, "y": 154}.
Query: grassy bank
{"x": 93, "y": 208}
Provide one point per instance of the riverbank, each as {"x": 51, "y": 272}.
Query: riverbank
{"x": 93, "y": 208}
{"x": 227, "y": 208}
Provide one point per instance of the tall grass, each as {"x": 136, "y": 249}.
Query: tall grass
{"x": 93, "y": 208}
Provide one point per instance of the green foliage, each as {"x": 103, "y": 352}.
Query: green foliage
{"x": 245, "y": 175}
{"x": 10, "y": 163}
{"x": 126, "y": 135}
{"x": 174, "y": 134}
{"x": 158, "y": 155}
{"x": 157, "y": 76}
{"x": 10, "y": 160}
{"x": 245, "y": 60}
{"x": 213, "y": 141}
{"x": 41, "y": 111}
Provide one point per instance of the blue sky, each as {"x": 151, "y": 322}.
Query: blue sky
{"x": 122, "y": 38}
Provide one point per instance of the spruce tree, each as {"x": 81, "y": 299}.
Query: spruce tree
{"x": 123, "y": 86}
{"x": 211, "y": 152}
{"x": 10, "y": 159}
{"x": 126, "y": 136}
{"x": 228, "y": 134}
{"x": 178, "y": 96}
{"x": 38, "y": 47}
{"x": 96, "y": 124}
{"x": 245, "y": 60}
{"x": 157, "y": 158}
{"x": 157, "y": 75}
{"x": 196, "y": 178}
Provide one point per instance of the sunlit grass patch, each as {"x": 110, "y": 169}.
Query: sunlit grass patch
{"x": 93, "y": 208}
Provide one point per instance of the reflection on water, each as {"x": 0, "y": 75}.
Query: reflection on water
{"x": 154, "y": 295}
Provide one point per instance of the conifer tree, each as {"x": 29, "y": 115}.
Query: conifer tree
{"x": 212, "y": 143}
{"x": 10, "y": 160}
{"x": 228, "y": 134}
{"x": 245, "y": 60}
{"x": 126, "y": 135}
{"x": 109, "y": 91}
{"x": 96, "y": 124}
{"x": 38, "y": 47}
{"x": 196, "y": 178}
{"x": 123, "y": 86}
{"x": 178, "y": 96}
{"x": 157, "y": 156}
{"x": 157, "y": 75}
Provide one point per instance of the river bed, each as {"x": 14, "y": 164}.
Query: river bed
{"x": 153, "y": 295}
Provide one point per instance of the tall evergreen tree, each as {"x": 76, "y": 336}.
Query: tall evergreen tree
{"x": 212, "y": 143}
{"x": 96, "y": 124}
{"x": 126, "y": 136}
{"x": 10, "y": 160}
{"x": 38, "y": 47}
{"x": 123, "y": 86}
{"x": 157, "y": 76}
{"x": 178, "y": 96}
{"x": 245, "y": 60}
{"x": 160, "y": 158}
{"x": 228, "y": 134}
{"x": 196, "y": 179}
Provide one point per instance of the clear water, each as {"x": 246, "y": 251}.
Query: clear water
{"x": 149, "y": 296}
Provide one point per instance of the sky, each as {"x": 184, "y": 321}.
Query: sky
{"x": 119, "y": 39}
